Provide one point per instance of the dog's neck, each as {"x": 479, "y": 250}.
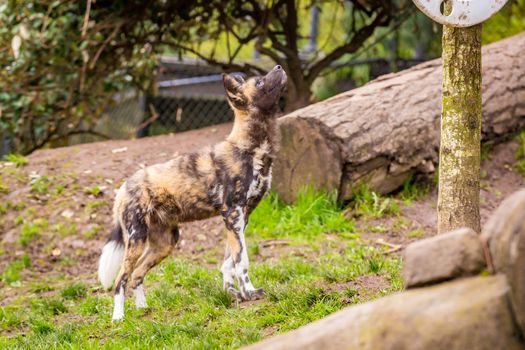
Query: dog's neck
{"x": 253, "y": 129}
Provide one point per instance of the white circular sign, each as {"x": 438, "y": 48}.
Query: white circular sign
{"x": 465, "y": 13}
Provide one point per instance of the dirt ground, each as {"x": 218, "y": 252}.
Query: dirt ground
{"x": 73, "y": 172}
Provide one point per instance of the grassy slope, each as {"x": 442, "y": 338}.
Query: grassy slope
{"x": 312, "y": 258}
{"x": 321, "y": 267}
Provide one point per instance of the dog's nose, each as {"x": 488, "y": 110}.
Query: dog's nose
{"x": 278, "y": 67}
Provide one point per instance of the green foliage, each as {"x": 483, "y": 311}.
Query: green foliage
{"x": 59, "y": 73}
{"x": 30, "y": 230}
{"x": 370, "y": 204}
{"x": 411, "y": 34}
{"x": 62, "y": 65}
{"x": 11, "y": 273}
{"x": 507, "y": 22}
{"x": 312, "y": 214}
{"x": 16, "y": 159}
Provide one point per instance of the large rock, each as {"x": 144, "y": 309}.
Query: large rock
{"x": 444, "y": 257}
{"x": 505, "y": 233}
{"x": 470, "y": 313}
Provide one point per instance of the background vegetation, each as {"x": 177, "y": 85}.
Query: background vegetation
{"x": 63, "y": 62}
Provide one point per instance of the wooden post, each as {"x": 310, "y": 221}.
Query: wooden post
{"x": 459, "y": 158}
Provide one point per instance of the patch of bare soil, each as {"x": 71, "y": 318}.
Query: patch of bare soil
{"x": 498, "y": 180}
{"x": 69, "y": 198}
{"x": 76, "y": 200}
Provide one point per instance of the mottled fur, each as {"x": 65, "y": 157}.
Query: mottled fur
{"x": 228, "y": 179}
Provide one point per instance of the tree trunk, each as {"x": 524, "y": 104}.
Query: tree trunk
{"x": 459, "y": 155}
{"x": 388, "y": 130}
{"x": 298, "y": 95}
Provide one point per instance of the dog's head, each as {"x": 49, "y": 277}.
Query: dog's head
{"x": 261, "y": 92}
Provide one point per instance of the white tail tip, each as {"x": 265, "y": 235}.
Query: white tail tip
{"x": 109, "y": 263}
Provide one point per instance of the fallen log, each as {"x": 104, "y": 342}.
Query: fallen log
{"x": 388, "y": 130}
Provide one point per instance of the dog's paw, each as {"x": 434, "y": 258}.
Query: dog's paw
{"x": 254, "y": 294}
{"x": 234, "y": 293}
{"x": 117, "y": 318}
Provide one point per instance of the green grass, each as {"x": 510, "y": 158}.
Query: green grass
{"x": 95, "y": 191}
{"x": 30, "y": 230}
{"x": 486, "y": 150}
{"x": 65, "y": 229}
{"x": 97, "y": 204}
{"x": 418, "y": 233}
{"x": 40, "y": 185}
{"x": 188, "y": 308}
{"x": 74, "y": 291}
{"x": 368, "y": 203}
{"x": 312, "y": 214}
{"x": 520, "y": 154}
{"x": 16, "y": 159}
{"x": 59, "y": 189}
{"x": 3, "y": 187}
{"x": 92, "y": 232}
{"x": 413, "y": 190}
{"x": 11, "y": 274}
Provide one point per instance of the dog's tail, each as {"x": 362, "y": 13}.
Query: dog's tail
{"x": 111, "y": 257}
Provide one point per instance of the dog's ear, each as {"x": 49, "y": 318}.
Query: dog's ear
{"x": 233, "y": 87}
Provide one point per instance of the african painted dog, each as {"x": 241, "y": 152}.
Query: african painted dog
{"x": 229, "y": 179}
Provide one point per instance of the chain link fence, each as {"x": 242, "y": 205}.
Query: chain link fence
{"x": 190, "y": 96}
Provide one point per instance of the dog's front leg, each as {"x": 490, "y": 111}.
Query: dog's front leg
{"x": 235, "y": 221}
{"x": 228, "y": 274}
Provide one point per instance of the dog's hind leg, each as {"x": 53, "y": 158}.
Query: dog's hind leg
{"x": 135, "y": 245}
{"x": 159, "y": 247}
{"x": 235, "y": 222}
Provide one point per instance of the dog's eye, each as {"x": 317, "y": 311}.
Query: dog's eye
{"x": 259, "y": 84}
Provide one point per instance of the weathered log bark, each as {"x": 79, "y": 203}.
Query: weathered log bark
{"x": 459, "y": 153}
{"x": 389, "y": 129}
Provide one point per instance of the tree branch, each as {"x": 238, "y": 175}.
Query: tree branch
{"x": 355, "y": 43}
